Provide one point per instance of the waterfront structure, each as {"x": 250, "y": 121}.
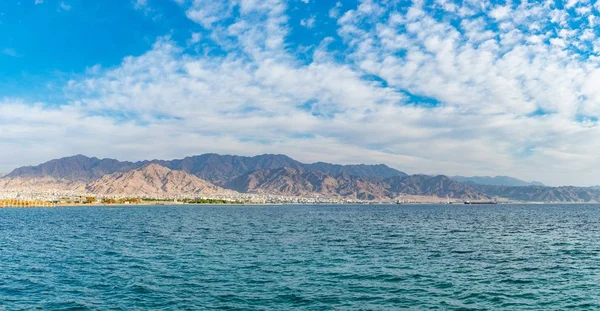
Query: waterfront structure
{"x": 25, "y": 203}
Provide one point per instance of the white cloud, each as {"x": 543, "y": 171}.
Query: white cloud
{"x": 500, "y": 12}
{"x": 308, "y": 22}
{"x": 510, "y": 91}
{"x": 208, "y": 12}
{"x": 65, "y": 7}
{"x": 334, "y": 12}
{"x": 140, "y": 4}
{"x": 10, "y": 52}
{"x": 572, "y": 3}
{"x": 39, "y": 2}
{"x": 194, "y": 38}
{"x": 506, "y": 76}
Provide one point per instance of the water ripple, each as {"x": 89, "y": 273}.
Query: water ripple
{"x": 301, "y": 257}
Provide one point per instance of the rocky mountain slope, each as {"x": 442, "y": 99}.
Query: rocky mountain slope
{"x": 440, "y": 186}
{"x": 360, "y": 170}
{"x": 287, "y": 181}
{"x": 40, "y": 184}
{"x": 293, "y": 182}
{"x": 495, "y": 181}
{"x": 217, "y": 169}
{"x": 75, "y": 168}
{"x": 269, "y": 174}
{"x": 543, "y": 194}
{"x": 154, "y": 181}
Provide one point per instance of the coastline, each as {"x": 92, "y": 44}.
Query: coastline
{"x": 311, "y": 204}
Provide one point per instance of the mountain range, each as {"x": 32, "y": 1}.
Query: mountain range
{"x": 230, "y": 175}
{"x": 217, "y": 169}
{"x": 153, "y": 180}
{"x": 495, "y": 181}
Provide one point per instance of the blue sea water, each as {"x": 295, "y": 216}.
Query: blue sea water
{"x": 536, "y": 257}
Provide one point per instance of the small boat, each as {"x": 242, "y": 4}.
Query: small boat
{"x": 481, "y": 202}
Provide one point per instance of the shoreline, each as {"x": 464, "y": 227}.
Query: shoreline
{"x": 284, "y": 203}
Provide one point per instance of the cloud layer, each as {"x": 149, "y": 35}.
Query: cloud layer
{"x": 466, "y": 87}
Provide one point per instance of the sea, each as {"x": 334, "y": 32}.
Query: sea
{"x": 301, "y": 257}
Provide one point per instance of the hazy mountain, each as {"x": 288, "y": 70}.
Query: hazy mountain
{"x": 293, "y": 182}
{"x": 215, "y": 168}
{"x": 440, "y": 186}
{"x": 495, "y": 181}
{"x": 361, "y": 170}
{"x": 221, "y": 168}
{"x": 152, "y": 180}
{"x": 75, "y": 168}
{"x": 43, "y": 184}
{"x": 272, "y": 174}
{"x": 543, "y": 194}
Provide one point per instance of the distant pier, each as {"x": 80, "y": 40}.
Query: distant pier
{"x": 25, "y": 203}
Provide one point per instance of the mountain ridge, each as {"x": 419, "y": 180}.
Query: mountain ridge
{"x": 74, "y": 168}
{"x": 153, "y": 180}
{"x": 289, "y": 181}
{"x": 439, "y": 185}
{"x": 212, "y": 167}
{"x": 280, "y": 175}
{"x": 496, "y": 181}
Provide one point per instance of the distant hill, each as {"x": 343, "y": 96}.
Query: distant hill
{"x": 361, "y": 170}
{"x": 152, "y": 180}
{"x": 292, "y": 182}
{"x": 440, "y": 186}
{"x": 271, "y": 175}
{"x": 495, "y": 181}
{"x": 543, "y": 194}
{"x": 75, "y": 168}
{"x": 217, "y": 169}
{"x": 44, "y": 184}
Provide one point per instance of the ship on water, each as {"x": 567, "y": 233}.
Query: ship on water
{"x": 480, "y": 202}
{"x": 495, "y": 201}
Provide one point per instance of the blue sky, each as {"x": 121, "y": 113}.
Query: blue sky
{"x": 438, "y": 86}
{"x": 51, "y": 41}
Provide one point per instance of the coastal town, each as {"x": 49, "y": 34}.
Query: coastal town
{"x": 262, "y": 179}
{"x": 26, "y": 198}
{"x": 18, "y": 200}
